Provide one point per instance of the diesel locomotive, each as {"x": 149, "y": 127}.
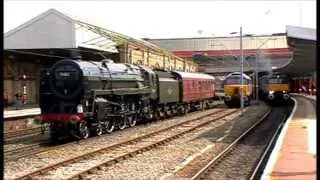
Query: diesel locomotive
{"x": 81, "y": 98}
{"x": 232, "y": 89}
{"x": 274, "y": 87}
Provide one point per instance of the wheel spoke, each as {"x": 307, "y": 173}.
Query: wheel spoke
{"x": 83, "y": 130}
{"x": 132, "y": 121}
{"x": 122, "y": 123}
{"x": 109, "y": 126}
{"x": 99, "y": 130}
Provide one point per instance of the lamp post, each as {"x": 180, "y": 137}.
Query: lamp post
{"x": 257, "y": 78}
{"x": 241, "y": 65}
{"x": 241, "y": 71}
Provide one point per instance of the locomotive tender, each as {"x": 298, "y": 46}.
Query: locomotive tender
{"x": 80, "y": 97}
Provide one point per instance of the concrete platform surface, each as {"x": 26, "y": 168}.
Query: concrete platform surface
{"x": 21, "y": 112}
{"x": 294, "y": 155}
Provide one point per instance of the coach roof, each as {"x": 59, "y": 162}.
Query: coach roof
{"x": 194, "y": 75}
{"x": 238, "y": 74}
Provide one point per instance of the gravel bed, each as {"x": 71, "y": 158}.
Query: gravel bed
{"x": 25, "y": 165}
{"x": 164, "y": 160}
{"x": 74, "y": 168}
{"x": 243, "y": 158}
{"x": 222, "y": 140}
{"x": 25, "y": 141}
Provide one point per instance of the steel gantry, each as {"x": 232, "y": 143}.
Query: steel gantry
{"x": 135, "y": 51}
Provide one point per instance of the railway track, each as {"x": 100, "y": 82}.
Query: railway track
{"x": 264, "y": 157}
{"x": 11, "y": 136}
{"x": 246, "y": 155}
{"x": 14, "y": 152}
{"x": 119, "y": 151}
{"x": 164, "y": 161}
{"x": 19, "y": 152}
{"x": 14, "y": 135}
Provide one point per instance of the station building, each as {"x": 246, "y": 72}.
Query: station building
{"x": 216, "y": 54}
{"x": 292, "y": 52}
{"x": 52, "y": 36}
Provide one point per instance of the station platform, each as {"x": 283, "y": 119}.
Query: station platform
{"x": 314, "y": 97}
{"x": 311, "y": 97}
{"x": 21, "y": 112}
{"x": 294, "y": 155}
{"x": 19, "y": 119}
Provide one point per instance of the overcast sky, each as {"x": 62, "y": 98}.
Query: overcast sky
{"x": 168, "y": 19}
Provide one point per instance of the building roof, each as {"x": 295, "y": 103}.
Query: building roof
{"x": 227, "y": 37}
{"x": 186, "y": 47}
{"x": 53, "y": 29}
{"x": 50, "y": 29}
{"x": 37, "y": 18}
{"x": 302, "y": 41}
{"x": 301, "y": 33}
{"x": 227, "y": 65}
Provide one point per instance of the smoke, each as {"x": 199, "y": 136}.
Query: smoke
{"x": 264, "y": 63}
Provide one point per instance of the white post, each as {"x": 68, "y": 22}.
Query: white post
{"x": 241, "y": 65}
{"x": 257, "y": 78}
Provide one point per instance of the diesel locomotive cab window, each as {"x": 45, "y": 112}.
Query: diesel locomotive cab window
{"x": 278, "y": 81}
{"x": 236, "y": 81}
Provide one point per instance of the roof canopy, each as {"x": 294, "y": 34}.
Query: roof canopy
{"x": 301, "y": 33}
{"x": 302, "y": 41}
{"x": 53, "y": 29}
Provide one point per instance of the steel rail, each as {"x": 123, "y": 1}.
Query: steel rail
{"x": 18, "y": 153}
{"x": 226, "y": 150}
{"x": 146, "y": 148}
{"x": 88, "y": 155}
{"x": 9, "y": 136}
{"x": 263, "y": 157}
{"x": 47, "y": 149}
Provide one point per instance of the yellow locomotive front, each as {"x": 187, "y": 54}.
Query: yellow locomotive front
{"x": 232, "y": 89}
{"x": 278, "y": 87}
